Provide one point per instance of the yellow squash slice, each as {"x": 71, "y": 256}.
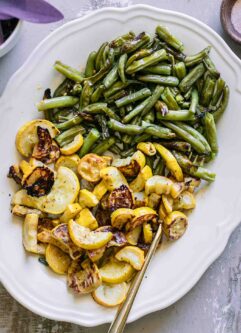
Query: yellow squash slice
{"x": 70, "y": 162}
{"x": 100, "y": 190}
{"x": 142, "y": 214}
{"x": 60, "y": 237}
{"x": 138, "y": 184}
{"x": 58, "y": 260}
{"x": 113, "y": 178}
{"x": 162, "y": 211}
{"x": 87, "y": 239}
{"x": 147, "y": 233}
{"x": 121, "y": 216}
{"x": 147, "y": 148}
{"x": 176, "y": 189}
{"x": 132, "y": 255}
{"x": 132, "y": 165}
{"x": 133, "y": 235}
{"x": 95, "y": 255}
{"x": 167, "y": 201}
{"x": 116, "y": 272}
{"x": 154, "y": 200}
{"x": 87, "y": 219}
{"x": 73, "y": 146}
{"x": 30, "y": 234}
{"x": 175, "y": 225}
{"x": 110, "y": 295}
{"x": 22, "y": 211}
{"x": 64, "y": 192}
{"x": 171, "y": 161}
{"x": 186, "y": 200}
{"x": 140, "y": 199}
{"x": 158, "y": 184}
{"x": 90, "y": 166}
{"x": 83, "y": 278}
{"x": 87, "y": 199}
{"x": 27, "y": 136}
{"x": 70, "y": 212}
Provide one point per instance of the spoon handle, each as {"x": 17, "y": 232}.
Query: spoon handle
{"x": 119, "y": 322}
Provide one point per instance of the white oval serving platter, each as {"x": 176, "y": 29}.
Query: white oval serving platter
{"x": 175, "y": 268}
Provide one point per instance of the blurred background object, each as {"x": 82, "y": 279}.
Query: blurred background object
{"x": 230, "y": 15}
{"x": 13, "y": 12}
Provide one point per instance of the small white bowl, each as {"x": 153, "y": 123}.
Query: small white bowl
{"x": 12, "y": 40}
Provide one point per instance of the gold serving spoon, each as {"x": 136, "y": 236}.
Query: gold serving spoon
{"x": 119, "y": 322}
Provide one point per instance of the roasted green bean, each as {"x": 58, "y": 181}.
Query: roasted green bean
{"x": 196, "y": 134}
{"x": 136, "y": 111}
{"x": 189, "y": 80}
{"x": 69, "y": 123}
{"x": 152, "y": 59}
{"x": 136, "y": 96}
{"x": 101, "y": 119}
{"x": 64, "y": 88}
{"x": 127, "y": 152}
{"x": 119, "y": 41}
{"x": 207, "y": 91}
{"x": 158, "y": 69}
{"x": 168, "y": 97}
{"x": 121, "y": 67}
{"x": 217, "y": 114}
{"x": 95, "y": 97}
{"x": 158, "y": 131}
{"x": 164, "y": 34}
{"x": 104, "y": 146}
{"x": 111, "y": 77}
{"x": 197, "y": 58}
{"x": 159, "y": 166}
{"x": 171, "y": 81}
{"x": 211, "y": 67}
{"x": 192, "y": 169}
{"x": 57, "y": 102}
{"x": 153, "y": 99}
{"x": 68, "y": 136}
{"x": 211, "y": 131}
{"x": 69, "y": 72}
{"x": 126, "y": 129}
{"x": 90, "y": 65}
{"x": 100, "y": 108}
{"x": 119, "y": 85}
{"x": 194, "y": 101}
{"x": 140, "y": 40}
{"x": 180, "y": 115}
{"x": 142, "y": 137}
{"x": 89, "y": 141}
{"x": 85, "y": 97}
{"x": 218, "y": 90}
{"x": 180, "y": 70}
{"x": 182, "y": 146}
{"x": 194, "y": 142}
{"x": 99, "y": 55}
{"x": 138, "y": 55}
{"x": 149, "y": 117}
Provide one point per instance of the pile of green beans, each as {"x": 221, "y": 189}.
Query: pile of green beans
{"x": 141, "y": 88}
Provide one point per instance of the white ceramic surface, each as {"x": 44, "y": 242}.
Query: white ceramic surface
{"x": 176, "y": 267}
{"x": 12, "y": 40}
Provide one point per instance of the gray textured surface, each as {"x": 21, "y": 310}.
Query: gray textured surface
{"x": 214, "y": 304}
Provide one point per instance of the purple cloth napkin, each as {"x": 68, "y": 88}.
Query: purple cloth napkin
{"x": 36, "y": 11}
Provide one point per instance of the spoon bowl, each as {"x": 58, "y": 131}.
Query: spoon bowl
{"x": 227, "y": 11}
